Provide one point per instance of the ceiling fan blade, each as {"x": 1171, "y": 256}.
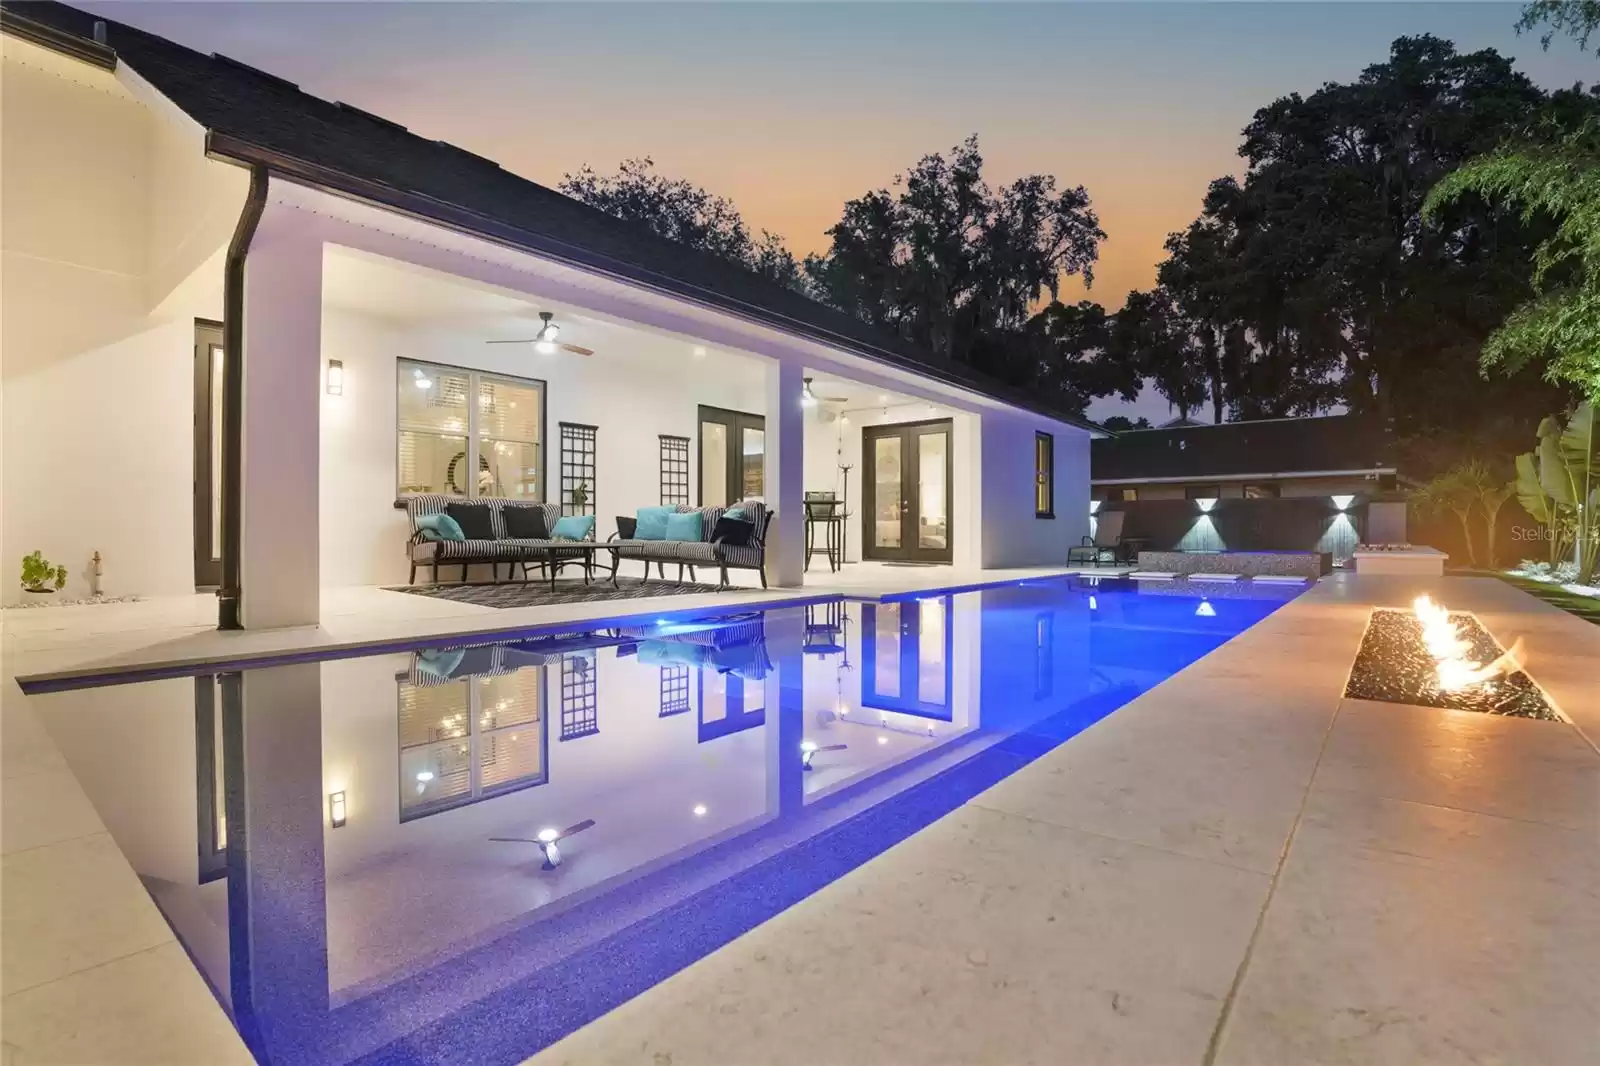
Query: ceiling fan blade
{"x": 575, "y": 350}
{"x": 587, "y": 823}
{"x": 527, "y": 341}
{"x": 833, "y": 747}
{"x": 834, "y": 399}
{"x": 513, "y": 840}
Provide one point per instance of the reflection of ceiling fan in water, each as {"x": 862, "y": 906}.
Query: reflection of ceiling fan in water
{"x": 549, "y": 841}
{"x": 545, "y": 341}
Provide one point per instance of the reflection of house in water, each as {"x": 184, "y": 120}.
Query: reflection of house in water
{"x": 322, "y": 938}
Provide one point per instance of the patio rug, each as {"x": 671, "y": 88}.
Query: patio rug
{"x": 538, "y": 593}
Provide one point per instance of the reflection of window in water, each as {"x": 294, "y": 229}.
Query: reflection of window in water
{"x": 930, "y": 651}
{"x": 465, "y": 739}
{"x": 886, "y": 628}
{"x": 906, "y": 648}
{"x": 729, "y": 704}
{"x": 580, "y": 709}
{"x": 674, "y": 690}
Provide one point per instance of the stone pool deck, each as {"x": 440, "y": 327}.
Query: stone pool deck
{"x": 1238, "y": 867}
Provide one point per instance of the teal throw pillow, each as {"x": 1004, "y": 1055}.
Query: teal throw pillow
{"x": 441, "y": 525}
{"x": 686, "y": 526}
{"x": 738, "y": 512}
{"x": 652, "y": 523}
{"x": 573, "y": 527}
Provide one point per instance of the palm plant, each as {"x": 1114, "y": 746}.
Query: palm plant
{"x": 1559, "y": 486}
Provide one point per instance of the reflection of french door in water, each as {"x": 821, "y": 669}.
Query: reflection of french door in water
{"x": 208, "y": 361}
{"x": 906, "y": 492}
{"x": 733, "y": 450}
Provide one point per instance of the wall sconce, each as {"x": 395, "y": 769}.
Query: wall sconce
{"x": 1094, "y": 507}
{"x": 1342, "y": 503}
{"x": 335, "y": 377}
{"x": 1206, "y": 504}
{"x": 336, "y": 809}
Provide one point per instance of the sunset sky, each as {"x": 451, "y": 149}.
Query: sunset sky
{"x": 789, "y": 110}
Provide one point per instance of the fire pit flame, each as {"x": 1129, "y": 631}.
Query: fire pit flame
{"x": 1449, "y": 649}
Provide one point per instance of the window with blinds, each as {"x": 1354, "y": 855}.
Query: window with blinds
{"x": 468, "y": 739}
{"x": 468, "y": 433}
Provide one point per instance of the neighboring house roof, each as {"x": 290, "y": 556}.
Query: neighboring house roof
{"x": 254, "y": 117}
{"x": 1274, "y": 448}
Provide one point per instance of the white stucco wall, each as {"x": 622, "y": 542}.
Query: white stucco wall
{"x": 109, "y": 233}
{"x": 1012, "y": 534}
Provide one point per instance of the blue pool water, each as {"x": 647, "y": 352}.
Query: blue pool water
{"x": 350, "y": 849}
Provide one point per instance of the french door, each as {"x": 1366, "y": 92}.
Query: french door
{"x": 906, "y": 492}
{"x": 208, "y": 363}
{"x": 733, "y": 452}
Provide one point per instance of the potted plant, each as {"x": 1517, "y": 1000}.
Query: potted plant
{"x": 580, "y": 496}
{"x": 40, "y": 575}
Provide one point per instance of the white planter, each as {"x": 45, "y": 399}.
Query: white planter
{"x": 1427, "y": 562}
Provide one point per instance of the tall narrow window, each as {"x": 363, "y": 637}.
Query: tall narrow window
{"x": 674, "y": 470}
{"x": 577, "y": 468}
{"x": 467, "y": 433}
{"x": 1044, "y": 475}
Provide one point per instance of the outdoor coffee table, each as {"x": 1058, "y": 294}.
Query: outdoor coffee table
{"x": 557, "y": 554}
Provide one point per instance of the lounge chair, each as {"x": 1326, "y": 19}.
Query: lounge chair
{"x": 1106, "y": 544}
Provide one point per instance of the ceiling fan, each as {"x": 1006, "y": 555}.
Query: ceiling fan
{"x": 811, "y": 399}
{"x": 545, "y": 341}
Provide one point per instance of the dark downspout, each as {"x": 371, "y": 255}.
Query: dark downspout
{"x": 233, "y": 397}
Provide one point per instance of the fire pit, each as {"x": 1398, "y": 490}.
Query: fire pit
{"x": 1429, "y": 657}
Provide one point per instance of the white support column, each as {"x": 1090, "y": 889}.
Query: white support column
{"x": 784, "y": 474}
{"x": 280, "y": 582}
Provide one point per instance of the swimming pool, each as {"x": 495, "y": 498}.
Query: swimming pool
{"x": 457, "y": 854}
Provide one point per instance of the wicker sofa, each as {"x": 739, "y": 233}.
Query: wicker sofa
{"x": 705, "y": 551}
{"x": 511, "y": 551}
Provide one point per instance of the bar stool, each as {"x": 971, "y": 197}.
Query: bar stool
{"x": 827, "y": 514}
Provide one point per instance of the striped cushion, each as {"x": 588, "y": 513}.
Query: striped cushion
{"x": 745, "y": 555}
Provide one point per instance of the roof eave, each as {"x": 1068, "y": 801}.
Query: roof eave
{"x": 1285, "y": 475}
{"x": 453, "y": 216}
{"x": 57, "y": 40}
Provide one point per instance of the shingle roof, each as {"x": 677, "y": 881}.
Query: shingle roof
{"x": 1236, "y": 449}
{"x": 253, "y": 116}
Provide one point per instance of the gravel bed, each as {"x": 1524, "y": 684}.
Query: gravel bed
{"x": 1393, "y": 665}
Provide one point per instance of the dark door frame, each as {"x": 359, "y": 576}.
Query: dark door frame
{"x": 910, "y": 493}
{"x": 207, "y": 570}
{"x": 737, "y": 422}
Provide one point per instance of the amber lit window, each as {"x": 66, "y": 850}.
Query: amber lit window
{"x": 1044, "y": 475}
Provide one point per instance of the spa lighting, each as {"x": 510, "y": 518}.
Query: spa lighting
{"x": 336, "y": 809}
{"x": 807, "y": 397}
{"x": 699, "y": 810}
{"x": 1094, "y": 604}
{"x": 1205, "y": 610}
{"x": 335, "y": 377}
{"x": 1206, "y": 504}
{"x": 1342, "y": 503}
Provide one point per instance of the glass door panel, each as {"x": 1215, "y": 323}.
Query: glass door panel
{"x": 733, "y": 457}
{"x": 886, "y": 452}
{"x": 713, "y": 464}
{"x": 209, "y": 362}
{"x": 908, "y": 481}
{"x": 933, "y": 510}
{"x": 753, "y": 457}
